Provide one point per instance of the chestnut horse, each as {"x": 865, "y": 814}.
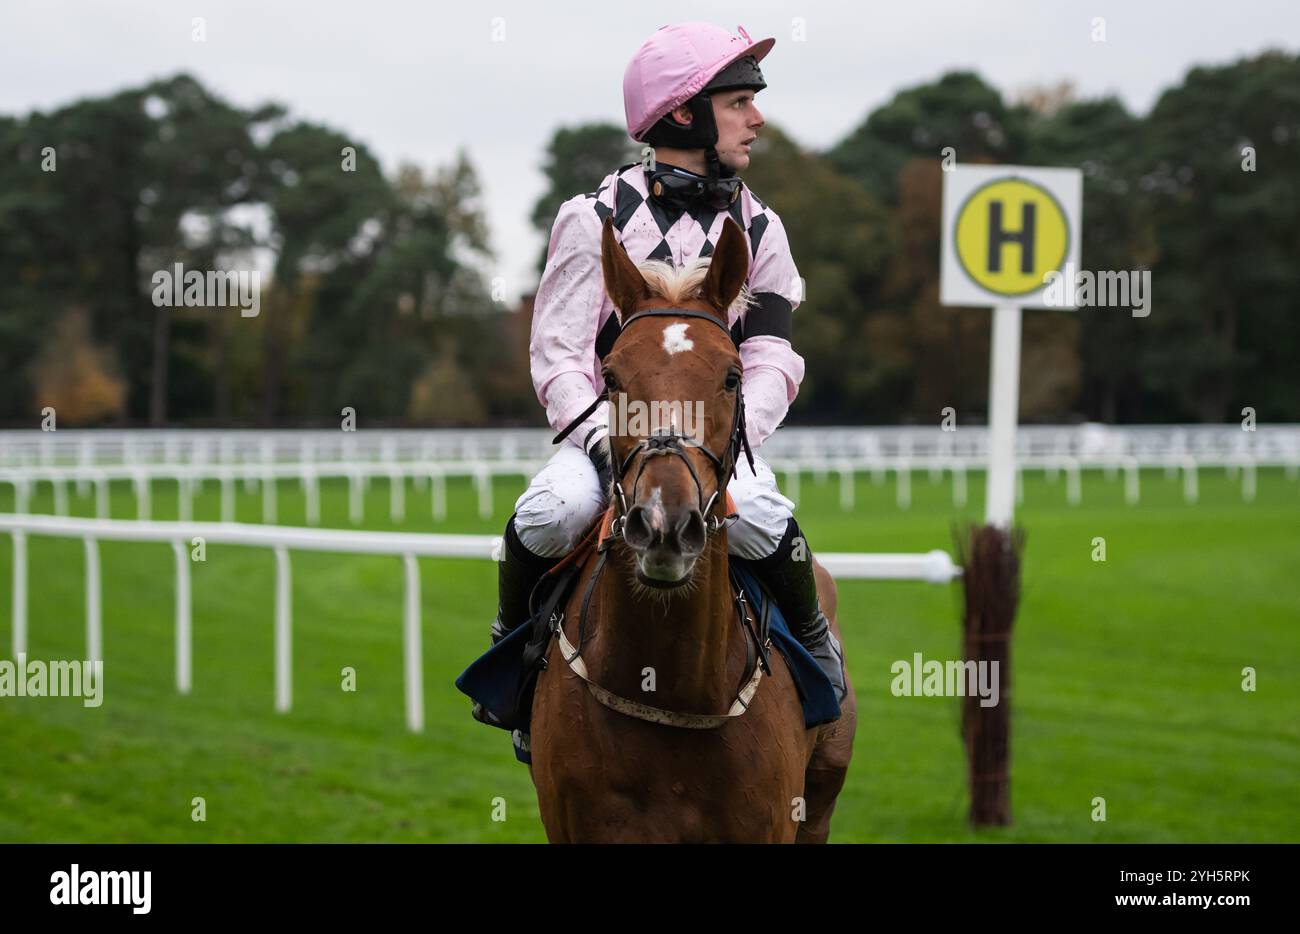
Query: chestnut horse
{"x": 641, "y": 736}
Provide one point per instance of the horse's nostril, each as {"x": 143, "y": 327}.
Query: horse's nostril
{"x": 635, "y": 530}
{"x": 691, "y": 533}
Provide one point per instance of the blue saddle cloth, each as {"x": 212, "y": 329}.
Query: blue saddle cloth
{"x": 494, "y": 678}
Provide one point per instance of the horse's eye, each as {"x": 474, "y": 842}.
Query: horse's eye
{"x": 733, "y": 380}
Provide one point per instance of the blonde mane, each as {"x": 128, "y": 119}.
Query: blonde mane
{"x": 676, "y": 286}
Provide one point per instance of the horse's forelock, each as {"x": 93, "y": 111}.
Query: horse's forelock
{"x": 678, "y": 285}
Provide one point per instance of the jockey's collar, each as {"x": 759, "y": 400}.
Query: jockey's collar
{"x": 671, "y": 185}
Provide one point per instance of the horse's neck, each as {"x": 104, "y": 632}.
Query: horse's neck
{"x": 686, "y": 642}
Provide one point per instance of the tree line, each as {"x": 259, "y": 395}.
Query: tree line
{"x": 379, "y": 290}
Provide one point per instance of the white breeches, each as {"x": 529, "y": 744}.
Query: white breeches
{"x": 564, "y": 499}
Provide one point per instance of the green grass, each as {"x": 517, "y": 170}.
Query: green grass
{"x": 1127, "y": 678}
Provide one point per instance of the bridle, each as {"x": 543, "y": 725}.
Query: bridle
{"x": 668, "y": 441}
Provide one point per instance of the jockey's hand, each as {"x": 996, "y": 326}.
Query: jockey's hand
{"x": 600, "y": 459}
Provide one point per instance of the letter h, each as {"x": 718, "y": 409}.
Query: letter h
{"x": 999, "y": 236}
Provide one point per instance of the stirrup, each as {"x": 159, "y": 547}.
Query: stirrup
{"x": 829, "y": 656}
{"x": 483, "y": 715}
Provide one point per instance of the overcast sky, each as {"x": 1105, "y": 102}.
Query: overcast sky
{"x": 417, "y": 81}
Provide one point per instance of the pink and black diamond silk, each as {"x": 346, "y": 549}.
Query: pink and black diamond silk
{"x": 574, "y": 323}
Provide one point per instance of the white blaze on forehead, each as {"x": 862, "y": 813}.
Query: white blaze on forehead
{"x": 655, "y": 509}
{"x": 675, "y": 339}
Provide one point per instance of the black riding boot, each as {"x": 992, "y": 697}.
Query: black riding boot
{"x": 788, "y": 574}
{"x": 517, "y": 574}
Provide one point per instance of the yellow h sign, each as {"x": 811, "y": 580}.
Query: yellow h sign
{"x": 1009, "y": 234}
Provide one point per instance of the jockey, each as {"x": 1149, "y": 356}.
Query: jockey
{"x": 689, "y": 93}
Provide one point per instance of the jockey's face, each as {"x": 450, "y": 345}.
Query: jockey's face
{"x": 739, "y": 121}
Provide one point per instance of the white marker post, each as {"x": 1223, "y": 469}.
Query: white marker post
{"x": 1004, "y": 413}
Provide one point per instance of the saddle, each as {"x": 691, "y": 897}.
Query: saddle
{"x": 503, "y": 679}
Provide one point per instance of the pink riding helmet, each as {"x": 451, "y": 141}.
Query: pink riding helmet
{"x": 674, "y": 64}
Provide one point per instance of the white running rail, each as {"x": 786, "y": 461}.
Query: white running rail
{"x": 1091, "y": 443}
{"x": 934, "y": 567}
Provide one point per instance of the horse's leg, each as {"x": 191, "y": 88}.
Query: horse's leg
{"x": 829, "y": 763}
{"x": 557, "y": 702}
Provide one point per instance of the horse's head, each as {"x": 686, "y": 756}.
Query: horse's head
{"x": 676, "y": 414}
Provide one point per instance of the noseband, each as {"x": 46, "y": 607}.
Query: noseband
{"x": 669, "y": 441}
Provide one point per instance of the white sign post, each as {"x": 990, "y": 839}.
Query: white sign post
{"x": 1006, "y": 229}
{"x": 1004, "y": 412}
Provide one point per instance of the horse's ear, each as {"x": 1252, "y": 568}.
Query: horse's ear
{"x": 623, "y": 281}
{"x": 728, "y": 268}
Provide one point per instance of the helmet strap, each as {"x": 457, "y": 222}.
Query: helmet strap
{"x": 714, "y": 168}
